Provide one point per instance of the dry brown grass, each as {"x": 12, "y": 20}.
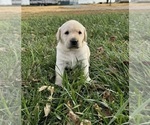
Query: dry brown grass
{"x": 79, "y": 9}
{"x": 37, "y": 9}
{"x": 9, "y": 12}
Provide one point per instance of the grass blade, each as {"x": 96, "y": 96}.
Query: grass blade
{"x": 118, "y": 112}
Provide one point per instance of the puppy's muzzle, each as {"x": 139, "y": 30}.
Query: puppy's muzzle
{"x": 74, "y": 43}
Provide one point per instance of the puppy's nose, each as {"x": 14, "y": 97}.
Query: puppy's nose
{"x": 74, "y": 42}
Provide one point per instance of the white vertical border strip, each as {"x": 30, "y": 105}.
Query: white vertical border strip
{"x": 139, "y": 56}
{"x": 10, "y": 63}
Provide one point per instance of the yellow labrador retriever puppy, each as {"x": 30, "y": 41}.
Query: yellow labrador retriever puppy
{"x": 71, "y": 48}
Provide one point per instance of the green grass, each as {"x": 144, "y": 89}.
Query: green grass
{"x": 139, "y": 68}
{"x": 107, "y": 68}
{"x": 10, "y": 84}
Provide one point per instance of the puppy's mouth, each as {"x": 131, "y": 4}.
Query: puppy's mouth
{"x": 73, "y": 47}
{"x": 74, "y": 44}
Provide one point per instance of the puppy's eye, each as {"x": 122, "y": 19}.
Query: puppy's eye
{"x": 80, "y": 32}
{"x": 67, "y": 32}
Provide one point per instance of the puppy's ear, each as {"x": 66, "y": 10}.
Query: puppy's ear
{"x": 85, "y": 35}
{"x": 58, "y": 34}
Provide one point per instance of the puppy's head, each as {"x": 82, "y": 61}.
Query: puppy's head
{"x": 72, "y": 34}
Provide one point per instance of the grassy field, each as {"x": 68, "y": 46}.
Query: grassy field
{"x": 104, "y": 102}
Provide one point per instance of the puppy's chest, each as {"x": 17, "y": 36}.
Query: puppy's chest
{"x": 72, "y": 59}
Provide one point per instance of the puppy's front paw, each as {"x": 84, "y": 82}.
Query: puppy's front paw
{"x": 88, "y": 80}
{"x": 58, "y": 82}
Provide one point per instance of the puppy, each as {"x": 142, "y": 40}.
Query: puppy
{"x": 71, "y": 48}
